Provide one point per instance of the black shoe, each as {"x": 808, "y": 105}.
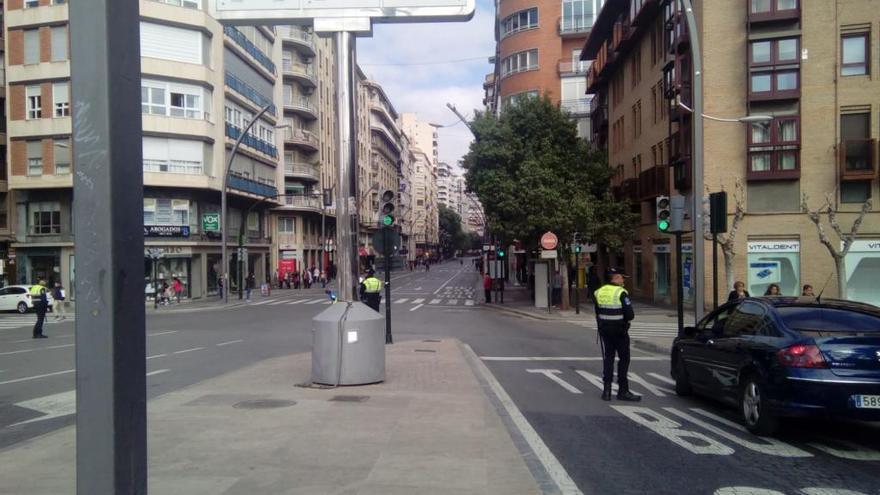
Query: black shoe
{"x": 628, "y": 396}
{"x": 606, "y": 393}
{"x": 41, "y": 336}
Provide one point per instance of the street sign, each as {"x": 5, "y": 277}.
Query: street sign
{"x": 486, "y": 247}
{"x": 211, "y": 222}
{"x": 549, "y": 241}
{"x": 292, "y": 11}
{"x": 548, "y": 254}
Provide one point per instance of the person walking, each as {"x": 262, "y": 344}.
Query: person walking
{"x": 177, "y": 286}
{"x": 371, "y": 290}
{"x": 316, "y": 275}
{"x": 556, "y": 293}
{"x": 40, "y": 299}
{"x": 739, "y": 292}
{"x": 614, "y": 311}
{"x": 59, "y": 308}
{"x": 219, "y": 287}
{"x": 487, "y": 287}
{"x": 249, "y": 284}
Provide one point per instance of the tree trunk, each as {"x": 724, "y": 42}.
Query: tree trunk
{"x": 563, "y": 269}
{"x": 728, "y": 271}
{"x": 841, "y": 277}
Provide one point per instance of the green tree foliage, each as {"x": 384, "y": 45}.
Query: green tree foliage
{"x": 533, "y": 173}
{"x": 452, "y": 237}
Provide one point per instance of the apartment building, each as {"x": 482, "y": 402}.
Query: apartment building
{"x": 538, "y": 52}
{"x": 7, "y": 272}
{"x": 811, "y": 67}
{"x": 423, "y": 137}
{"x": 304, "y": 225}
{"x": 192, "y": 68}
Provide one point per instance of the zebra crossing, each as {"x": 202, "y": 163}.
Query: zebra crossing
{"x": 399, "y": 301}
{"x": 640, "y": 329}
{"x": 20, "y": 321}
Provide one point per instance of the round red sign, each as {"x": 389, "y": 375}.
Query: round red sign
{"x": 549, "y": 241}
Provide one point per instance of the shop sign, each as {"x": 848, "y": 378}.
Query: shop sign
{"x": 637, "y": 249}
{"x": 687, "y": 248}
{"x": 661, "y": 249}
{"x": 168, "y": 251}
{"x": 864, "y": 246}
{"x": 775, "y": 247}
{"x": 211, "y": 222}
{"x": 288, "y": 255}
{"x": 286, "y": 247}
{"x": 166, "y": 230}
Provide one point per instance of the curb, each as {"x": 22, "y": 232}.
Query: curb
{"x": 649, "y": 346}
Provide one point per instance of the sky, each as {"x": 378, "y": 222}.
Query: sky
{"x": 422, "y": 67}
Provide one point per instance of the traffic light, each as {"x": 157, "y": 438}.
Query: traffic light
{"x": 386, "y": 208}
{"x": 663, "y": 213}
{"x": 501, "y": 252}
{"x": 577, "y": 248}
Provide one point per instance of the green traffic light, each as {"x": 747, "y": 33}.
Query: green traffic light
{"x": 500, "y": 254}
{"x": 663, "y": 225}
{"x": 387, "y": 220}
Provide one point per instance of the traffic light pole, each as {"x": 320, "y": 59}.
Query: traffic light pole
{"x": 679, "y": 283}
{"x": 386, "y": 246}
{"x": 714, "y": 271}
{"x": 577, "y": 274}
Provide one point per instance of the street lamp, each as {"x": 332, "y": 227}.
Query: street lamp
{"x": 748, "y": 119}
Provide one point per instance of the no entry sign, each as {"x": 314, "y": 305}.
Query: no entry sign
{"x": 549, "y": 241}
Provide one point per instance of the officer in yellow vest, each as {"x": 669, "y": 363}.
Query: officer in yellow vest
{"x": 41, "y": 305}
{"x": 614, "y": 311}
{"x": 371, "y": 290}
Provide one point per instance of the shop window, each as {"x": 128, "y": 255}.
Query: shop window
{"x": 45, "y": 217}
{"x": 774, "y": 149}
{"x": 862, "y": 268}
{"x": 774, "y": 263}
{"x": 854, "y": 49}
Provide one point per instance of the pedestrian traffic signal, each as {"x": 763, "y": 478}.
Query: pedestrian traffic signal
{"x": 577, "y": 248}
{"x": 500, "y": 252}
{"x": 386, "y": 208}
{"x": 663, "y": 213}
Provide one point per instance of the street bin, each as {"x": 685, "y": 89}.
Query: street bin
{"x": 348, "y": 345}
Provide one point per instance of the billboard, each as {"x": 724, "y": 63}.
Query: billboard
{"x": 304, "y": 11}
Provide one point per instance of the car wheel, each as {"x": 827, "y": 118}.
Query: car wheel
{"x": 753, "y": 405}
{"x": 22, "y": 307}
{"x": 682, "y": 384}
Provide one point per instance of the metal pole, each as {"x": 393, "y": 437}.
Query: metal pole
{"x": 323, "y": 235}
{"x": 714, "y": 271}
{"x": 699, "y": 268}
{"x": 155, "y": 285}
{"x": 224, "y": 254}
{"x": 679, "y": 283}
{"x": 346, "y": 200}
{"x": 241, "y": 252}
{"x": 577, "y": 275}
{"x": 111, "y": 385}
{"x": 385, "y": 246}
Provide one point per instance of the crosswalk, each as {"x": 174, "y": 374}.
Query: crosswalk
{"x": 643, "y": 329}
{"x": 418, "y": 301}
{"x": 19, "y": 321}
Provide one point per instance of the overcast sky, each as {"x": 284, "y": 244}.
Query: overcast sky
{"x": 398, "y": 58}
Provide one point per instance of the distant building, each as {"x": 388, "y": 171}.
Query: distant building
{"x": 423, "y": 138}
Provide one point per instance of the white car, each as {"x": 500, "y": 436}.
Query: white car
{"x": 18, "y": 298}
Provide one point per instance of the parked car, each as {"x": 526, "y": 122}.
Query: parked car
{"x": 784, "y": 356}
{"x": 18, "y": 298}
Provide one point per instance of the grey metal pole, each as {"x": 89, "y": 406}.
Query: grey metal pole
{"x": 699, "y": 270}
{"x": 224, "y": 254}
{"x": 111, "y": 386}
{"x": 323, "y": 236}
{"x": 346, "y": 200}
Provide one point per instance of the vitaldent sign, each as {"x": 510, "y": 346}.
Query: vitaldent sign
{"x": 864, "y": 246}
{"x": 775, "y": 247}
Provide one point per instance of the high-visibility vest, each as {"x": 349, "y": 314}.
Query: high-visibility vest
{"x": 37, "y": 290}
{"x": 608, "y": 301}
{"x": 372, "y": 285}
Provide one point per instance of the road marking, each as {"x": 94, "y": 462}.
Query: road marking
{"x": 469, "y": 302}
{"x": 263, "y": 302}
{"x": 416, "y": 307}
{"x": 156, "y": 356}
{"x": 435, "y": 301}
{"x": 22, "y": 351}
{"x": 157, "y": 372}
{"x": 36, "y": 377}
{"x": 444, "y": 283}
{"x": 551, "y": 464}
{"x": 418, "y": 301}
{"x": 52, "y": 406}
{"x": 771, "y": 446}
{"x": 189, "y": 350}
{"x": 169, "y": 332}
{"x": 654, "y": 389}
{"x": 298, "y": 301}
{"x": 316, "y": 301}
{"x": 570, "y": 358}
{"x": 221, "y": 344}
{"x": 418, "y": 288}
{"x": 400, "y": 301}
{"x": 852, "y": 450}
{"x": 60, "y": 346}
{"x": 551, "y": 374}
{"x": 662, "y": 378}
{"x": 452, "y": 302}
{"x": 275, "y": 303}
{"x": 692, "y": 441}
{"x": 596, "y": 380}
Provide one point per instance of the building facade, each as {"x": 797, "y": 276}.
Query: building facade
{"x": 810, "y": 67}
{"x": 423, "y": 137}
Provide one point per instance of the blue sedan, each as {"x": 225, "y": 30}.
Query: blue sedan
{"x": 784, "y": 356}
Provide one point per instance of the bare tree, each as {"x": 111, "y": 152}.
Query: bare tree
{"x": 728, "y": 241}
{"x": 838, "y": 254}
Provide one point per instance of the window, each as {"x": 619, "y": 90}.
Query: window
{"x": 578, "y": 15}
{"x": 45, "y": 217}
{"x": 857, "y": 153}
{"x": 519, "y": 62}
{"x": 173, "y": 99}
{"x": 31, "y": 46}
{"x": 764, "y": 9}
{"x": 853, "y": 191}
{"x": 773, "y": 66}
{"x": 166, "y": 211}
{"x": 636, "y": 67}
{"x": 59, "y": 43}
{"x": 153, "y": 100}
{"x": 61, "y": 99}
{"x": 854, "y": 54}
{"x": 715, "y": 323}
{"x": 519, "y": 21}
{"x": 34, "y": 101}
{"x": 516, "y": 98}
{"x": 174, "y": 156}
{"x": 35, "y": 158}
{"x": 286, "y": 225}
{"x": 30, "y": 4}
{"x": 746, "y": 320}
{"x": 61, "y": 152}
{"x": 774, "y": 149}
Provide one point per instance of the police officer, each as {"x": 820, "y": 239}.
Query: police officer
{"x": 371, "y": 290}
{"x": 614, "y": 311}
{"x": 41, "y": 305}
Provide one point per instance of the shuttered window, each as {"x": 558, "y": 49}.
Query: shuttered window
{"x": 31, "y": 46}
{"x": 175, "y": 156}
{"x": 171, "y": 43}
{"x": 59, "y": 43}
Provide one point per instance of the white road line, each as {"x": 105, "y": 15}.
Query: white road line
{"x": 157, "y": 372}
{"x": 400, "y": 301}
{"x": 585, "y": 358}
{"x": 551, "y": 464}
{"x": 469, "y": 303}
{"x": 298, "y": 301}
{"x": 189, "y": 350}
{"x": 169, "y": 332}
{"x": 22, "y": 351}
{"x": 444, "y": 283}
{"x": 662, "y": 378}
{"x": 221, "y": 344}
{"x": 452, "y": 302}
{"x": 418, "y": 301}
{"x": 276, "y": 303}
{"x": 60, "y": 346}
{"x": 551, "y": 374}
{"x": 417, "y": 306}
{"x": 36, "y": 377}
{"x": 262, "y": 302}
{"x": 316, "y": 301}
{"x": 156, "y": 356}
{"x": 435, "y": 301}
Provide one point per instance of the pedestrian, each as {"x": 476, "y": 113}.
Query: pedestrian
{"x": 59, "y": 306}
{"x": 773, "y": 290}
{"x": 249, "y": 284}
{"x": 808, "y": 291}
{"x": 323, "y": 279}
{"x": 557, "y": 288}
{"x": 40, "y": 300}
{"x": 166, "y": 293}
{"x": 487, "y": 287}
{"x": 219, "y": 288}
{"x": 371, "y": 290}
{"x": 307, "y": 279}
{"x": 739, "y": 292}
{"x": 296, "y": 280}
{"x": 177, "y": 286}
{"x": 614, "y": 311}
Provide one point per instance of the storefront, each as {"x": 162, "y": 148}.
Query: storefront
{"x": 687, "y": 272}
{"x": 862, "y": 269}
{"x": 175, "y": 262}
{"x": 662, "y": 274}
{"x": 774, "y": 262}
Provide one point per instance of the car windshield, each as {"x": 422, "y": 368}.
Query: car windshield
{"x": 823, "y": 320}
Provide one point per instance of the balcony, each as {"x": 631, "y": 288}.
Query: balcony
{"x": 654, "y": 182}
{"x": 677, "y": 34}
{"x": 640, "y": 10}
{"x": 241, "y": 40}
{"x": 299, "y": 37}
{"x": 568, "y": 67}
{"x": 575, "y": 26}
{"x": 302, "y": 107}
{"x": 250, "y": 93}
{"x": 630, "y": 190}
{"x": 301, "y": 138}
{"x": 578, "y": 107}
{"x": 251, "y": 141}
{"x": 304, "y": 74}
{"x": 307, "y": 171}
{"x": 767, "y": 11}
{"x": 302, "y": 202}
{"x": 251, "y": 186}
{"x": 858, "y": 159}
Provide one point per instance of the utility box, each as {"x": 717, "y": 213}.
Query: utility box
{"x": 542, "y": 282}
{"x": 348, "y": 345}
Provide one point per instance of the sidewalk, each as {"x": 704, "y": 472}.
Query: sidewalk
{"x": 428, "y": 429}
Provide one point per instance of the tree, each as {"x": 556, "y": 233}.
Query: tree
{"x": 532, "y": 173}
{"x": 728, "y": 241}
{"x": 837, "y": 254}
{"x": 452, "y": 237}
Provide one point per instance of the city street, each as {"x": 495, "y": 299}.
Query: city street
{"x": 543, "y": 376}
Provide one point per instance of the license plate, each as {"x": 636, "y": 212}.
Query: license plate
{"x": 867, "y": 401}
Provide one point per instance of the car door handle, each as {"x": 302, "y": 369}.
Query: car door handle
{"x": 710, "y": 342}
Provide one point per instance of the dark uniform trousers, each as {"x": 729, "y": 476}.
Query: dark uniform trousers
{"x": 41, "y": 309}
{"x": 615, "y": 340}
{"x": 373, "y": 300}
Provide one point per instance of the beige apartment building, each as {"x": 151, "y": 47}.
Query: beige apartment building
{"x": 810, "y": 65}
{"x": 7, "y": 274}
{"x": 202, "y": 84}
{"x": 423, "y": 137}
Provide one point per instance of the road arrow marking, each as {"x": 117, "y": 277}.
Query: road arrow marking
{"x": 52, "y": 406}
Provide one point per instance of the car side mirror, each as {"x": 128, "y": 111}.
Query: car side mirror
{"x": 690, "y": 332}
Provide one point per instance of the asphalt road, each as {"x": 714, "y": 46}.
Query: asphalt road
{"x": 551, "y": 372}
